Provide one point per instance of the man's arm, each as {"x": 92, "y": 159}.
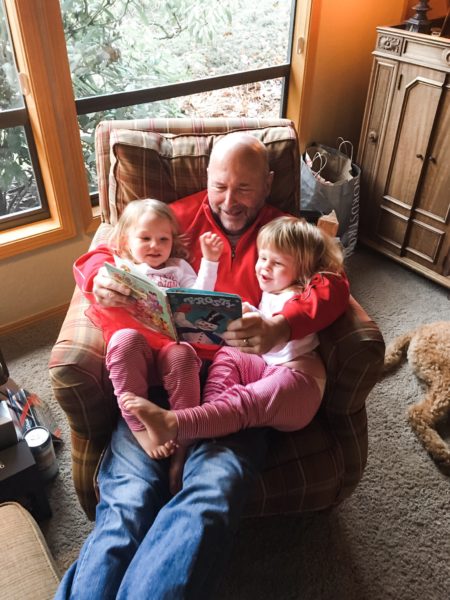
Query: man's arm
{"x": 324, "y": 300}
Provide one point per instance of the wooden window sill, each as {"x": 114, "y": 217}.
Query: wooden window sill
{"x": 34, "y": 235}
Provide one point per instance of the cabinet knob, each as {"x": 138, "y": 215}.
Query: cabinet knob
{"x": 373, "y": 136}
{"x": 419, "y": 156}
{"x": 432, "y": 159}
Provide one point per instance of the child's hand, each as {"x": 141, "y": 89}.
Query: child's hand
{"x": 211, "y": 245}
{"x": 247, "y": 307}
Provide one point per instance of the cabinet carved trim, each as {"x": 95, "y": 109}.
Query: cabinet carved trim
{"x": 389, "y": 43}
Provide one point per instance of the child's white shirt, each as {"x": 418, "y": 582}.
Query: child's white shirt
{"x": 177, "y": 272}
{"x": 273, "y": 303}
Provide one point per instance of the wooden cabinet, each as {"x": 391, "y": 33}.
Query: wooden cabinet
{"x": 404, "y": 152}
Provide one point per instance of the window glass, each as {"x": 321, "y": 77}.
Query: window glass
{"x": 260, "y": 99}
{"x": 10, "y": 95}
{"x": 19, "y": 196}
{"x": 18, "y": 190}
{"x": 125, "y": 45}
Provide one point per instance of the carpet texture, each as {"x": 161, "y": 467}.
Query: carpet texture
{"x": 390, "y": 539}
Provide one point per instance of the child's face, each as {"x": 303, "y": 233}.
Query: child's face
{"x": 150, "y": 240}
{"x": 275, "y": 270}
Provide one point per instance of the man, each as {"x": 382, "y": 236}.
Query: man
{"x": 147, "y": 544}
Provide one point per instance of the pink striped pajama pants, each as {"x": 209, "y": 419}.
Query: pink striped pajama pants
{"x": 133, "y": 366}
{"x": 243, "y": 391}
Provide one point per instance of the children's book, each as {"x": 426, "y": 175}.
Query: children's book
{"x": 183, "y": 314}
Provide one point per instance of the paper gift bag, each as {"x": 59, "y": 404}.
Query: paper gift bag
{"x": 330, "y": 180}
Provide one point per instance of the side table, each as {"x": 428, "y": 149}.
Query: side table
{"x": 20, "y": 480}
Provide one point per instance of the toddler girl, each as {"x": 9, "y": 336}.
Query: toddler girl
{"x": 147, "y": 234}
{"x": 281, "y": 389}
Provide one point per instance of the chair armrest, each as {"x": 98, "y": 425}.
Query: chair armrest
{"x": 82, "y": 388}
{"x": 78, "y": 373}
{"x": 352, "y": 349}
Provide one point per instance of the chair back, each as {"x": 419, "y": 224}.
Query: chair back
{"x": 167, "y": 159}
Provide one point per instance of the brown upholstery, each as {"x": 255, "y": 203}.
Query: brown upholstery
{"x": 311, "y": 469}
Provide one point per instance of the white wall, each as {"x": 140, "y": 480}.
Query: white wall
{"x": 336, "y": 63}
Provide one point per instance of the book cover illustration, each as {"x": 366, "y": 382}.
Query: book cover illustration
{"x": 202, "y": 317}
{"x": 150, "y": 307}
{"x": 183, "y": 314}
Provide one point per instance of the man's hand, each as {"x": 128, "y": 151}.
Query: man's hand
{"x": 108, "y": 292}
{"x": 255, "y": 334}
{"x": 211, "y": 245}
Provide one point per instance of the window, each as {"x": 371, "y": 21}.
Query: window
{"x": 133, "y": 59}
{"x": 22, "y": 196}
{"x": 50, "y": 120}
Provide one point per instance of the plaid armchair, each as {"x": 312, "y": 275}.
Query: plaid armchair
{"x": 311, "y": 469}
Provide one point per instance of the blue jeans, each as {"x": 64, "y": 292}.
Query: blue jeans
{"x": 147, "y": 544}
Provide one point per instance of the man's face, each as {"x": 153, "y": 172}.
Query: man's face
{"x": 238, "y": 184}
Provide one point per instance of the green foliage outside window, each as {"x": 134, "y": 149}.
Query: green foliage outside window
{"x": 17, "y": 183}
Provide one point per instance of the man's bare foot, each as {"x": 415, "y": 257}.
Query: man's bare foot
{"x": 161, "y": 425}
{"x": 176, "y": 470}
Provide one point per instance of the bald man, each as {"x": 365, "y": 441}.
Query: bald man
{"x": 147, "y": 544}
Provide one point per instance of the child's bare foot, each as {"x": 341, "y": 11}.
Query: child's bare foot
{"x": 146, "y": 445}
{"x": 176, "y": 469}
{"x": 161, "y": 425}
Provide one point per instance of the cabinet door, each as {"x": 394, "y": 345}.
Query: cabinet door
{"x": 403, "y": 154}
{"x": 379, "y": 98}
{"x": 428, "y": 235}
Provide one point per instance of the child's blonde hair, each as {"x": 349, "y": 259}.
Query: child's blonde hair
{"x": 312, "y": 250}
{"x": 118, "y": 239}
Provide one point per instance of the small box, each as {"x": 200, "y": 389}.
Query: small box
{"x": 21, "y": 482}
{"x": 8, "y": 436}
{"x": 329, "y": 223}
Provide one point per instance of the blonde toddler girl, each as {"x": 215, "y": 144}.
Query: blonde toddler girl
{"x": 147, "y": 235}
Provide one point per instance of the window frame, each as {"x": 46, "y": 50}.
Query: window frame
{"x": 39, "y": 46}
{"x": 18, "y": 117}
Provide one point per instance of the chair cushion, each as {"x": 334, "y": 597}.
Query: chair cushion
{"x": 29, "y": 570}
{"x": 148, "y": 164}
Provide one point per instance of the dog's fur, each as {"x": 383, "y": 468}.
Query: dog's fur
{"x": 428, "y": 351}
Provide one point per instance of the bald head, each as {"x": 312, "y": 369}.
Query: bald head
{"x": 243, "y": 145}
{"x": 239, "y": 180}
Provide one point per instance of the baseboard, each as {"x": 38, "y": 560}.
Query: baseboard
{"x": 51, "y": 312}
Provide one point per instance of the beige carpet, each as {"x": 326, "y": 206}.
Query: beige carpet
{"x": 391, "y": 539}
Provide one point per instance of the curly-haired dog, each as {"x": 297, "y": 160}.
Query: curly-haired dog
{"x": 428, "y": 351}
